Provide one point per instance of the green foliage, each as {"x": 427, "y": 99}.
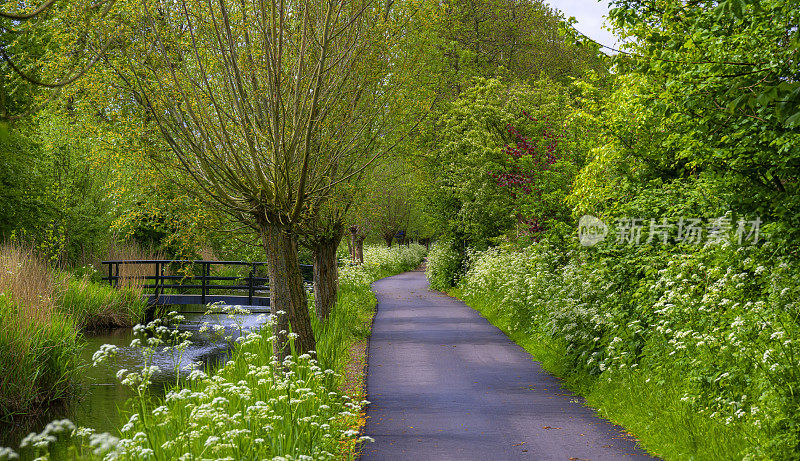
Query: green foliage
{"x": 501, "y": 39}
{"x": 466, "y": 148}
{"x": 21, "y": 188}
{"x": 53, "y": 191}
{"x": 381, "y": 262}
{"x": 88, "y": 169}
{"x": 721, "y": 80}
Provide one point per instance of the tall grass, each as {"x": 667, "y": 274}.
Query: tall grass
{"x": 347, "y": 323}
{"x": 25, "y": 277}
{"x": 93, "y": 305}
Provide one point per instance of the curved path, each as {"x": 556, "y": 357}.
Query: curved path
{"x": 444, "y": 384}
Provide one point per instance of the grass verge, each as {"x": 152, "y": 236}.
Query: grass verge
{"x": 343, "y": 340}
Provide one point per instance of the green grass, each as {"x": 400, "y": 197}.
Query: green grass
{"x": 347, "y": 323}
{"x": 650, "y": 409}
{"x": 93, "y": 305}
{"x": 38, "y": 360}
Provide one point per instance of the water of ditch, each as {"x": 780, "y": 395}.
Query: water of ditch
{"x": 100, "y": 395}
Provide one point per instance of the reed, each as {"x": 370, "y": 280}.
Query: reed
{"x": 42, "y": 312}
{"x": 93, "y": 305}
{"x": 27, "y": 280}
{"x": 39, "y": 347}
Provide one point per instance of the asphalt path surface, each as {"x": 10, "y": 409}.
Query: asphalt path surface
{"x": 445, "y": 384}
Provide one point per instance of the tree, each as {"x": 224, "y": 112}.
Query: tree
{"x": 390, "y": 202}
{"x": 517, "y": 39}
{"x": 725, "y": 78}
{"x": 466, "y": 149}
{"x": 268, "y": 106}
{"x": 538, "y": 174}
{"x": 358, "y": 229}
{"x": 27, "y": 33}
{"x": 322, "y": 235}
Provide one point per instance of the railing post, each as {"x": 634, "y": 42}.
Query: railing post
{"x": 203, "y": 268}
{"x": 162, "y": 282}
{"x": 250, "y": 288}
{"x": 157, "y": 279}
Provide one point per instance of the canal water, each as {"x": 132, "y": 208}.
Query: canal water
{"x": 100, "y": 395}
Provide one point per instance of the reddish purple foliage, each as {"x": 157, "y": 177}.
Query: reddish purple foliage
{"x": 524, "y": 182}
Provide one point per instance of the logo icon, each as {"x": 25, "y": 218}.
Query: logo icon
{"x": 591, "y": 230}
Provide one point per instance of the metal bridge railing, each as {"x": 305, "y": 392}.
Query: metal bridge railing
{"x": 158, "y": 281}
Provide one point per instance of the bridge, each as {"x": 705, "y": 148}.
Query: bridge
{"x": 163, "y": 286}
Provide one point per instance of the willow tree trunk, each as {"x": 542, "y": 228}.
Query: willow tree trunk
{"x": 287, "y": 296}
{"x": 353, "y": 244}
{"x": 388, "y": 239}
{"x": 326, "y": 274}
{"x": 360, "y": 249}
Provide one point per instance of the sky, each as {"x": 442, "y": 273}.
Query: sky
{"x": 589, "y": 14}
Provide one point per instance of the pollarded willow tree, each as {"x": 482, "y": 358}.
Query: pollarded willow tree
{"x": 267, "y": 106}
{"x": 322, "y": 236}
{"x": 390, "y": 201}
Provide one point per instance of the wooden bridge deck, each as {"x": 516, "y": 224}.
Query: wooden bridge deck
{"x": 163, "y": 299}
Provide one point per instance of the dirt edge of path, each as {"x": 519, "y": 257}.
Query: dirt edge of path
{"x": 355, "y": 383}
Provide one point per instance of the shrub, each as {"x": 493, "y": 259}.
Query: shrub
{"x": 444, "y": 266}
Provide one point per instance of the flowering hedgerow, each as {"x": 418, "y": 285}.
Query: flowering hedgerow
{"x": 444, "y": 266}
{"x": 380, "y": 259}
{"x": 720, "y": 323}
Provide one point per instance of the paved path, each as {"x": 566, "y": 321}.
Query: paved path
{"x": 447, "y": 385}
